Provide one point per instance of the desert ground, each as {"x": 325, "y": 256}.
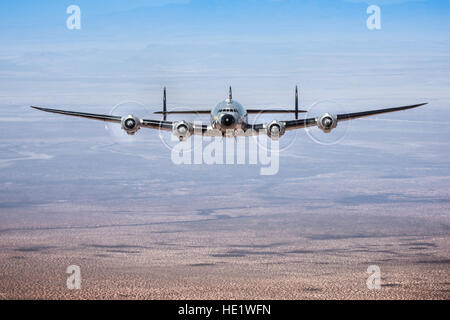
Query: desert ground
{"x": 228, "y": 253}
{"x": 140, "y": 227}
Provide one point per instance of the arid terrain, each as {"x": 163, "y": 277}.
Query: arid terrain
{"x": 234, "y": 253}
{"x": 140, "y": 228}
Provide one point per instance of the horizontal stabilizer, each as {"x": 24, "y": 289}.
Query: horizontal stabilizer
{"x": 249, "y": 111}
{"x": 254, "y": 111}
{"x": 185, "y": 112}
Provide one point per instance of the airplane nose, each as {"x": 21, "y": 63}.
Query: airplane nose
{"x": 227, "y": 120}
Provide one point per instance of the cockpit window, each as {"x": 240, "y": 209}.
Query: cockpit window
{"x": 226, "y": 106}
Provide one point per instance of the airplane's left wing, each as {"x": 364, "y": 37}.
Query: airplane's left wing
{"x": 132, "y": 124}
{"x": 100, "y": 117}
{"x": 129, "y": 122}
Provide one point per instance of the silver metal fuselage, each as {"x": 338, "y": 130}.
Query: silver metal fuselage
{"x": 229, "y": 116}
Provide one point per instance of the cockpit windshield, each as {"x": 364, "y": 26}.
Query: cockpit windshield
{"x": 227, "y": 107}
{"x": 228, "y": 110}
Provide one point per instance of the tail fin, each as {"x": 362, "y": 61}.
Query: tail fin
{"x": 296, "y": 103}
{"x": 165, "y": 104}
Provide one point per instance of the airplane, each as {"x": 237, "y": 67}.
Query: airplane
{"x": 229, "y": 119}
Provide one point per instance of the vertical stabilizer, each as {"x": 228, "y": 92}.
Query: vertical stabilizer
{"x": 165, "y": 104}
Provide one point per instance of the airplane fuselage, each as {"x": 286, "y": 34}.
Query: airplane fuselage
{"x": 229, "y": 116}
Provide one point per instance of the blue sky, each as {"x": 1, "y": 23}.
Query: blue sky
{"x": 128, "y": 51}
{"x": 131, "y": 49}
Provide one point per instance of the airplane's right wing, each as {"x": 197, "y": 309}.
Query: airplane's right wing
{"x": 326, "y": 123}
{"x": 329, "y": 121}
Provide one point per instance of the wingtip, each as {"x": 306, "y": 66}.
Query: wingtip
{"x": 418, "y": 105}
{"x": 40, "y": 108}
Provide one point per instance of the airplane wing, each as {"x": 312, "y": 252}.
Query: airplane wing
{"x": 184, "y": 129}
{"x": 145, "y": 123}
{"x": 310, "y": 122}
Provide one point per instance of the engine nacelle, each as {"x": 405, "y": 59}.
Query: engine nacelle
{"x": 275, "y": 130}
{"x": 131, "y": 124}
{"x": 327, "y": 122}
{"x": 182, "y": 130}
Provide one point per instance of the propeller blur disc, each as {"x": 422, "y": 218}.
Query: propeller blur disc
{"x": 170, "y": 141}
{"x": 284, "y": 142}
{"x": 319, "y": 109}
{"x": 118, "y": 135}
